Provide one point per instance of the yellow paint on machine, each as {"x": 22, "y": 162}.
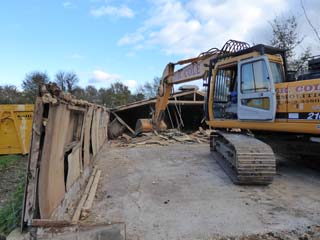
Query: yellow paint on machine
{"x": 299, "y": 102}
{"x": 15, "y": 128}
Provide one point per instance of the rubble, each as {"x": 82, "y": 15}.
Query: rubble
{"x": 163, "y": 138}
{"x": 184, "y": 112}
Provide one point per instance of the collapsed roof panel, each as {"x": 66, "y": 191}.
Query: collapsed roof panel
{"x": 184, "y": 111}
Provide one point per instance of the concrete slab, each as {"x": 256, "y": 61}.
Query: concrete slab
{"x": 180, "y": 192}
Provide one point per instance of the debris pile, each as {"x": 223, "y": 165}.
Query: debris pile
{"x": 162, "y": 138}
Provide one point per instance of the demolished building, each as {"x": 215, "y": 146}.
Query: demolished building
{"x": 184, "y": 112}
{"x": 66, "y": 136}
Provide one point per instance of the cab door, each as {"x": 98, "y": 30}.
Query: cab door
{"x": 256, "y": 92}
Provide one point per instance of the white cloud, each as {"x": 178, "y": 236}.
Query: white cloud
{"x": 122, "y": 11}
{"x": 132, "y": 38}
{"x": 102, "y": 76}
{"x": 188, "y": 28}
{"x": 132, "y": 84}
{"x": 105, "y": 79}
{"x": 66, "y": 4}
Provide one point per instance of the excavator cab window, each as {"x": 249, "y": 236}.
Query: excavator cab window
{"x": 225, "y": 93}
{"x": 254, "y": 77}
{"x": 277, "y": 72}
{"x": 245, "y": 91}
{"x": 256, "y": 92}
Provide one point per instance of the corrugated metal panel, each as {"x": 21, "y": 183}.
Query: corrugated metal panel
{"x": 15, "y": 128}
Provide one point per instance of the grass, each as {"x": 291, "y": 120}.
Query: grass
{"x": 8, "y": 160}
{"x": 10, "y": 213}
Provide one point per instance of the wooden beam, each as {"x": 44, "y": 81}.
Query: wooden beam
{"x": 77, "y": 212}
{"x": 76, "y": 108}
{"x": 88, "y": 204}
{"x": 45, "y": 223}
{"x": 30, "y": 194}
{"x": 186, "y": 102}
{"x": 123, "y": 123}
{"x": 183, "y": 93}
{"x": 134, "y": 105}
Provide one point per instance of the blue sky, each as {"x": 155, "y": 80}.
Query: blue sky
{"x": 104, "y": 41}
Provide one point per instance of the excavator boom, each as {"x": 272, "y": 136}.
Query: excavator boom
{"x": 197, "y": 68}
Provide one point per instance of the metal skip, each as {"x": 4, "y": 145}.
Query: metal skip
{"x": 15, "y": 128}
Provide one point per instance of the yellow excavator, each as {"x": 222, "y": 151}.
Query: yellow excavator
{"x": 254, "y": 105}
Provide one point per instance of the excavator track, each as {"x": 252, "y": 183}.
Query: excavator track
{"x": 245, "y": 159}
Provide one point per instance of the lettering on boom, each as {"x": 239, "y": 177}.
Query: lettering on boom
{"x": 188, "y": 72}
{"x": 308, "y": 88}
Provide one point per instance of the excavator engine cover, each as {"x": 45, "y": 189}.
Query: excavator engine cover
{"x": 145, "y": 125}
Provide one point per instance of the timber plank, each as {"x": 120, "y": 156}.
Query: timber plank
{"x": 51, "y": 178}
{"x": 77, "y": 212}
{"x": 87, "y": 136}
{"x": 95, "y": 131}
{"x": 74, "y": 166}
{"x": 31, "y": 186}
{"x": 104, "y": 118}
{"x": 88, "y": 203}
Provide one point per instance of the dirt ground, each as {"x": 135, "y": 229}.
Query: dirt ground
{"x": 180, "y": 192}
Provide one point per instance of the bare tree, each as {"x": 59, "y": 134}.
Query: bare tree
{"x": 31, "y": 84}
{"x": 309, "y": 21}
{"x": 150, "y": 89}
{"x": 66, "y": 80}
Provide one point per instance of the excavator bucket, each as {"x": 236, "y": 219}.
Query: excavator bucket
{"x": 145, "y": 125}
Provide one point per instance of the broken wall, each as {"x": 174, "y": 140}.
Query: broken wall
{"x": 66, "y": 136}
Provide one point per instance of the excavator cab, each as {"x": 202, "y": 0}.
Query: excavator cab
{"x": 242, "y": 85}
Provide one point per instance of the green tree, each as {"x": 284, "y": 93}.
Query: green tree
{"x": 137, "y": 97}
{"x": 66, "y": 80}
{"x": 285, "y": 36}
{"x": 9, "y": 94}
{"x": 119, "y": 94}
{"x": 79, "y": 93}
{"x": 91, "y": 94}
{"x": 150, "y": 89}
{"x": 31, "y": 85}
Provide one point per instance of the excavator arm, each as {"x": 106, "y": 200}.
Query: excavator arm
{"x": 196, "y": 69}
